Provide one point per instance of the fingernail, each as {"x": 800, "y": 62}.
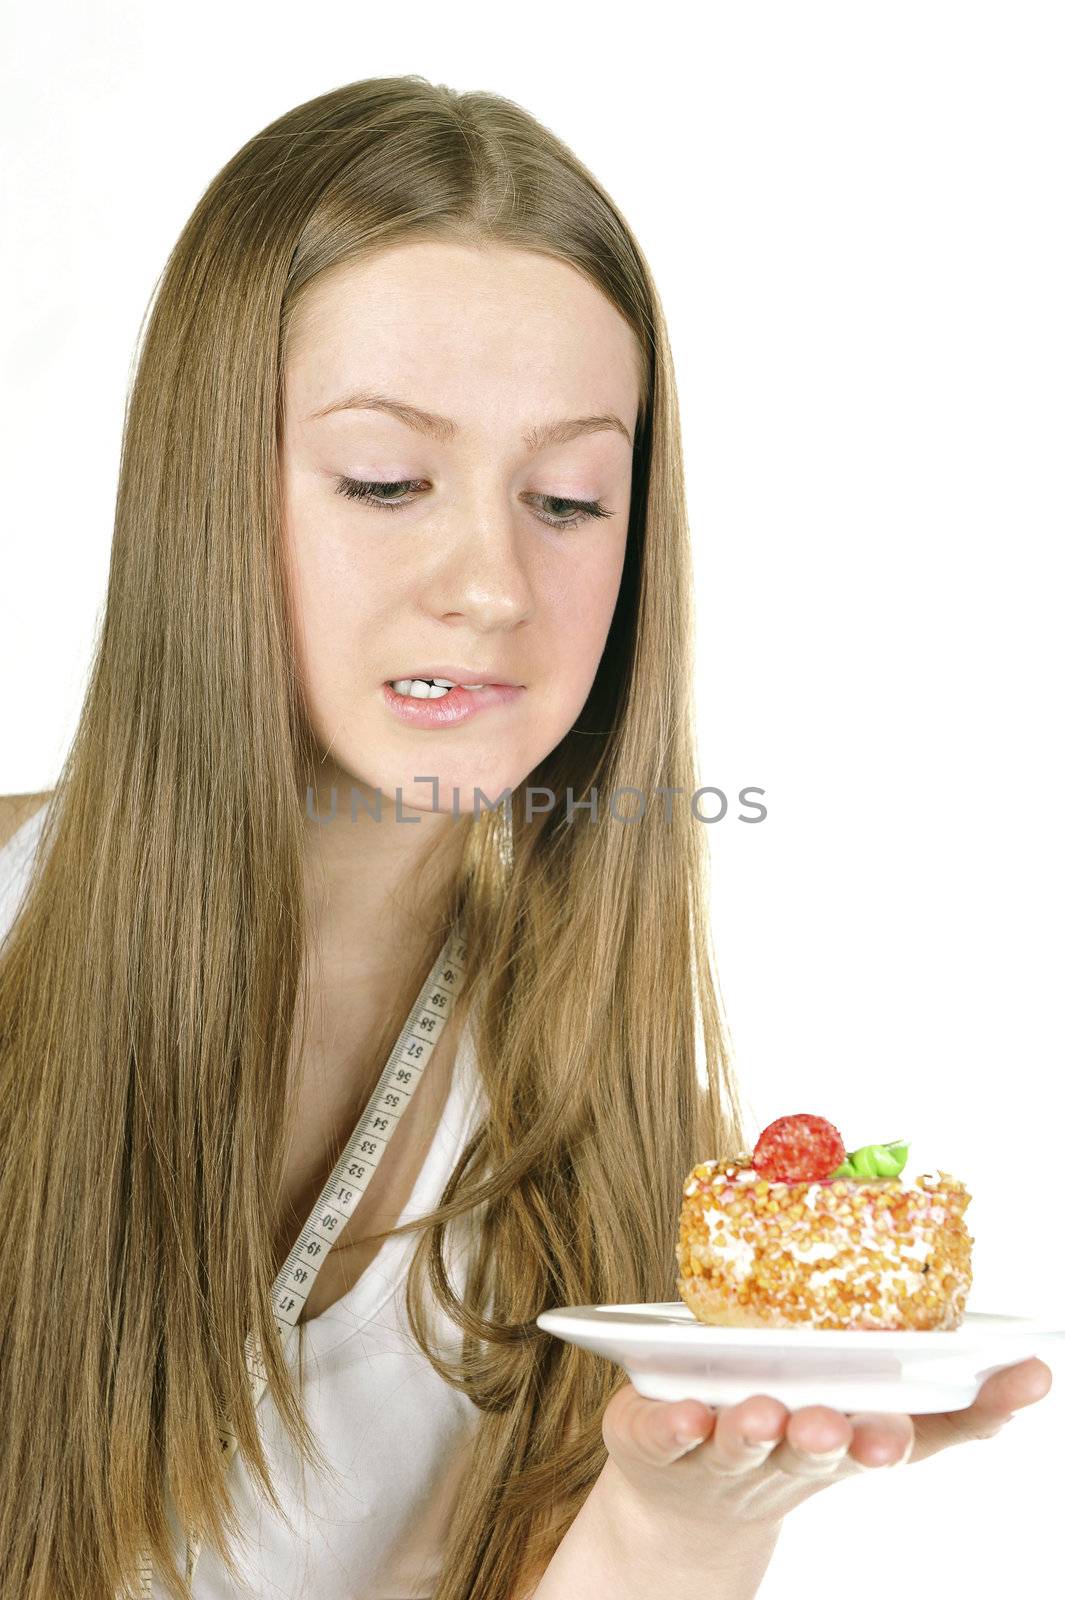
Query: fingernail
{"x": 835, "y": 1454}
{"x": 755, "y": 1451}
{"x": 878, "y": 1466}
{"x": 689, "y": 1443}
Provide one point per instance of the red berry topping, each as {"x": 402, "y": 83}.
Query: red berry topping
{"x": 799, "y": 1149}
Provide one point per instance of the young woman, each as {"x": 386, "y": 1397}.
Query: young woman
{"x": 404, "y": 410}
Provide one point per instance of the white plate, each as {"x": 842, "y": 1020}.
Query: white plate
{"x": 670, "y": 1355}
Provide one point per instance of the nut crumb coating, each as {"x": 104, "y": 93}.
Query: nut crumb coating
{"x": 846, "y": 1253}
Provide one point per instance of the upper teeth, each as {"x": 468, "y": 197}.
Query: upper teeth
{"x": 429, "y": 688}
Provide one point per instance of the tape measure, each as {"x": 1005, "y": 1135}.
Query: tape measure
{"x": 345, "y": 1187}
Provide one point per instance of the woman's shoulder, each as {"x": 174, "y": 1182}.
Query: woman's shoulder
{"x": 21, "y": 818}
{"x": 17, "y": 809}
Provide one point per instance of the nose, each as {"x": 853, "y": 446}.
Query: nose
{"x": 482, "y": 573}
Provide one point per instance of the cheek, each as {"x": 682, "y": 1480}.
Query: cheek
{"x": 578, "y": 613}
{"x": 334, "y": 600}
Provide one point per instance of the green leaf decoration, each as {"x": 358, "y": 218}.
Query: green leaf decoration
{"x": 874, "y": 1161}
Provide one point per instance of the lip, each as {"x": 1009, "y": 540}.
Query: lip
{"x": 449, "y": 709}
{"x": 458, "y": 675}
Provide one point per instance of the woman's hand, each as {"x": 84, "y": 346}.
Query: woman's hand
{"x": 758, "y": 1461}
{"x": 670, "y": 1519}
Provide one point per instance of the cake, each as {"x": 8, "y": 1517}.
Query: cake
{"x": 802, "y": 1233}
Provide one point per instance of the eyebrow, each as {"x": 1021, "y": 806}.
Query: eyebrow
{"x": 444, "y": 429}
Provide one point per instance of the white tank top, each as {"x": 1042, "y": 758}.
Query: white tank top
{"x": 397, "y": 1436}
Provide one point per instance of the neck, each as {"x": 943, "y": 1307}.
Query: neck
{"x": 376, "y": 892}
{"x": 377, "y": 886}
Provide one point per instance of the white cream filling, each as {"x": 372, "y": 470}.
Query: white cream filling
{"x": 737, "y": 1253}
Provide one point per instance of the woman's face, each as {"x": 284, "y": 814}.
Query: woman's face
{"x": 477, "y": 559}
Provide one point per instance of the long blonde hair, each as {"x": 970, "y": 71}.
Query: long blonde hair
{"x": 148, "y": 991}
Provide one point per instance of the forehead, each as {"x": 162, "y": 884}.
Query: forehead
{"x": 443, "y": 323}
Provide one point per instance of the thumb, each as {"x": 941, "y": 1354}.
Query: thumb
{"x": 653, "y": 1432}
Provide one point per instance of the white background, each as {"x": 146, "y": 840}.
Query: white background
{"x": 854, "y": 215}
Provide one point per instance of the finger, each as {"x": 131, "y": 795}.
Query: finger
{"x": 815, "y": 1443}
{"x": 745, "y": 1435}
{"x": 1001, "y": 1396}
{"x": 1011, "y": 1389}
{"x": 653, "y": 1432}
{"x": 881, "y": 1438}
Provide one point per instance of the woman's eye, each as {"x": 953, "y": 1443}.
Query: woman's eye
{"x": 394, "y": 496}
{"x": 580, "y": 511}
{"x": 375, "y": 494}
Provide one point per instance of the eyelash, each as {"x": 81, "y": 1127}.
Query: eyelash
{"x": 360, "y": 489}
